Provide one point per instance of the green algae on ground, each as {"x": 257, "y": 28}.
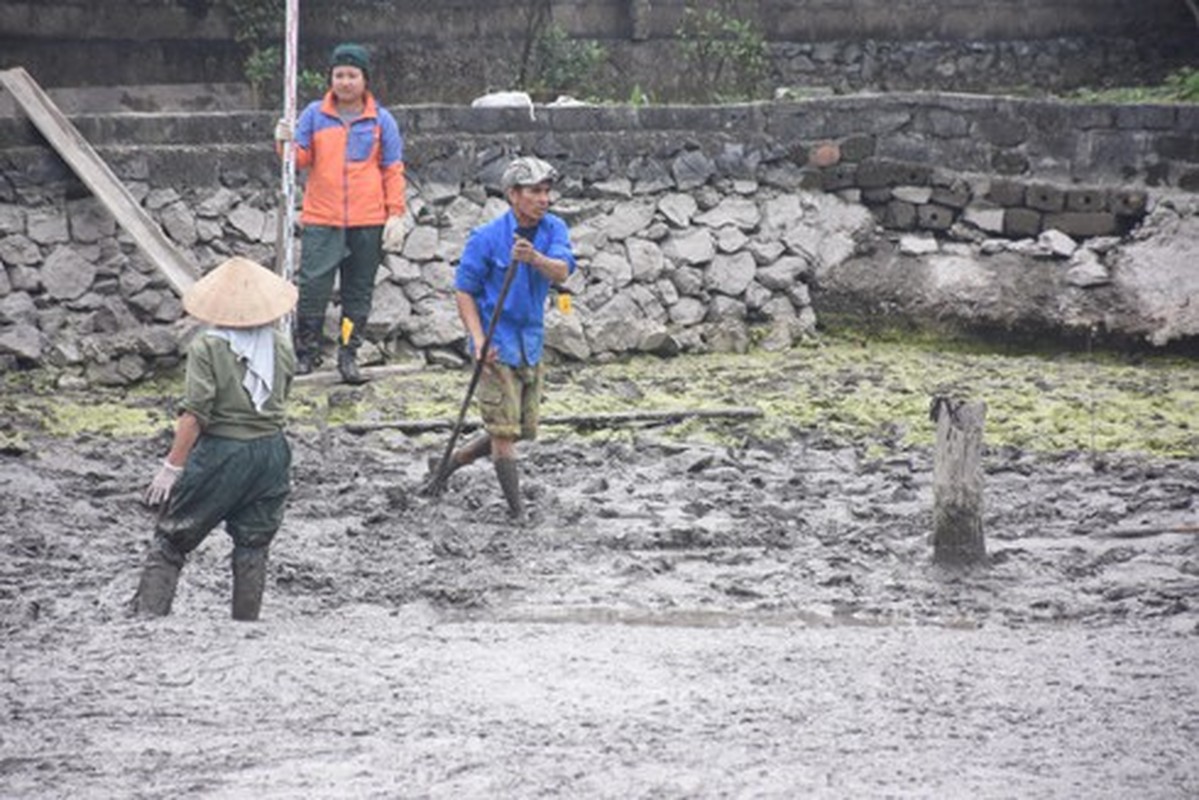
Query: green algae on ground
{"x": 873, "y": 392}
{"x": 69, "y": 418}
{"x": 847, "y": 389}
{"x": 858, "y": 390}
{"x": 13, "y": 443}
{"x": 415, "y": 395}
{"x": 876, "y": 393}
{"x": 141, "y": 410}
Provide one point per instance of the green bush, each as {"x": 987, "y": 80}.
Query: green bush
{"x": 1180, "y": 86}
{"x": 562, "y": 65}
{"x": 264, "y": 73}
{"x": 724, "y": 58}
{"x": 256, "y": 25}
{"x": 1185, "y": 84}
{"x": 638, "y": 97}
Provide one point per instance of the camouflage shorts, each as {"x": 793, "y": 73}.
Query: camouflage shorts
{"x": 510, "y": 400}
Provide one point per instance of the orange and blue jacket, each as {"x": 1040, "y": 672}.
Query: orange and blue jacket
{"x": 355, "y": 169}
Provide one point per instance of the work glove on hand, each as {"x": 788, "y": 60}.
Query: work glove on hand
{"x": 394, "y": 234}
{"x": 283, "y": 131}
{"x": 160, "y": 488}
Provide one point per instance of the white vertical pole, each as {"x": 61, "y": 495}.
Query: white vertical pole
{"x": 286, "y": 239}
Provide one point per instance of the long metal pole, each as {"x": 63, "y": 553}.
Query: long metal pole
{"x": 286, "y": 244}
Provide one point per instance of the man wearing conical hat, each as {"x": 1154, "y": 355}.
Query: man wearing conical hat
{"x": 229, "y": 461}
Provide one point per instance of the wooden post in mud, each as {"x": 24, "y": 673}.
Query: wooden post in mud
{"x": 958, "y": 481}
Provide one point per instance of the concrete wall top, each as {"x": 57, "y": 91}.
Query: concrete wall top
{"x": 1152, "y": 145}
{"x": 818, "y": 117}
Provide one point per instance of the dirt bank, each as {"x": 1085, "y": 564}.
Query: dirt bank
{"x": 710, "y": 609}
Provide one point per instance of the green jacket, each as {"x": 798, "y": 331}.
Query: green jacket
{"x": 213, "y": 389}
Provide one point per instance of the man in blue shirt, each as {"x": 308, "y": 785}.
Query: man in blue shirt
{"x": 536, "y": 243}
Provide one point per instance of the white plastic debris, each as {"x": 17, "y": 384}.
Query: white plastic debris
{"x": 505, "y": 100}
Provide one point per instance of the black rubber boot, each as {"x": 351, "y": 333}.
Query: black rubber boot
{"x": 249, "y": 581}
{"x": 472, "y": 451}
{"x": 509, "y": 476}
{"x": 160, "y": 576}
{"x": 435, "y": 482}
{"x": 347, "y": 365}
{"x": 347, "y": 354}
{"x": 306, "y": 340}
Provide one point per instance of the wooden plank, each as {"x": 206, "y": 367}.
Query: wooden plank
{"x": 65, "y": 138}
{"x": 577, "y": 420}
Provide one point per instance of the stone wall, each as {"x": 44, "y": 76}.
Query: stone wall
{"x": 1070, "y": 143}
{"x": 697, "y": 228}
{"x": 454, "y": 50}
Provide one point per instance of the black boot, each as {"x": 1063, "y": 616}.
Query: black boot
{"x": 306, "y": 340}
{"x": 509, "y": 476}
{"x": 435, "y": 482}
{"x": 347, "y": 353}
{"x": 472, "y": 451}
{"x": 160, "y": 576}
{"x": 249, "y": 580}
{"x": 347, "y": 365}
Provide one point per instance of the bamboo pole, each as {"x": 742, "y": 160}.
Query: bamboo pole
{"x": 1139, "y": 533}
{"x": 577, "y": 420}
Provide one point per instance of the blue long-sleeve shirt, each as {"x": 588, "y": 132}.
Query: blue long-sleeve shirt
{"x": 520, "y": 334}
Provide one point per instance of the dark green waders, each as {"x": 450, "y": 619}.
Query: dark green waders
{"x": 306, "y": 341}
{"x": 249, "y": 581}
{"x": 160, "y": 576}
{"x": 353, "y": 256}
{"x": 241, "y": 482}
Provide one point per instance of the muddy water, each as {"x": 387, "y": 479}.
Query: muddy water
{"x": 679, "y": 620}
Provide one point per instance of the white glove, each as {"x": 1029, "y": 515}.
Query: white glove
{"x": 160, "y": 488}
{"x": 394, "y": 234}
{"x": 283, "y": 131}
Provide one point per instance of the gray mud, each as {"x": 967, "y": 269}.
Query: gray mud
{"x": 679, "y": 620}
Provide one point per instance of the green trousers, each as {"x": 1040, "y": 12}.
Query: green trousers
{"x": 351, "y": 254}
{"x": 241, "y": 482}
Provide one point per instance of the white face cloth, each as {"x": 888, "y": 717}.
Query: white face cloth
{"x": 256, "y": 347}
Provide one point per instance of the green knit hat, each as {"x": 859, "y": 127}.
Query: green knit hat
{"x": 350, "y": 55}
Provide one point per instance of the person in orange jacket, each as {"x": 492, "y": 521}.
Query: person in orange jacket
{"x": 353, "y": 151}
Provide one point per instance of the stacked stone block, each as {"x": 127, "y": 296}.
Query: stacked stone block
{"x": 908, "y": 196}
{"x": 679, "y": 260}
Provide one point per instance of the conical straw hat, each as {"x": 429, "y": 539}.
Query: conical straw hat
{"x": 240, "y": 294}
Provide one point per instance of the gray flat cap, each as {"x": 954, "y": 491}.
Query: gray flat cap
{"x": 527, "y": 171}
